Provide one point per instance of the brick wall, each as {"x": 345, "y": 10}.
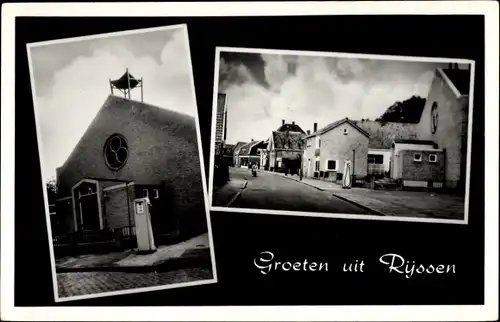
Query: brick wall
{"x": 451, "y": 133}
{"x": 337, "y": 146}
{"x": 163, "y": 148}
{"x": 423, "y": 170}
{"x": 117, "y": 207}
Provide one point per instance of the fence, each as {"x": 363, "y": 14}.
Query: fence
{"x": 375, "y": 169}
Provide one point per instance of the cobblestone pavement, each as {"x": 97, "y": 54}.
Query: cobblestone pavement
{"x": 86, "y": 283}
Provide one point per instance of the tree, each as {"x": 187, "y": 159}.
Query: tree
{"x": 51, "y": 186}
{"x": 408, "y": 111}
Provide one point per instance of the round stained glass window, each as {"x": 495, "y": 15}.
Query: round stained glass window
{"x": 115, "y": 152}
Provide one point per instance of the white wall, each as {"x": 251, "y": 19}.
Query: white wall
{"x": 386, "y": 153}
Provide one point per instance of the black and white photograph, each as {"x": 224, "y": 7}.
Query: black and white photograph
{"x": 237, "y": 162}
{"x": 122, "y": 165}
{"x": 343, "y": 135}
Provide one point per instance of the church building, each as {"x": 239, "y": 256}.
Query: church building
{"x": 133, "y": 150}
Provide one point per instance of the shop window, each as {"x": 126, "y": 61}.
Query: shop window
{"x": 331, "y": 165}
{"x": 375, "y": 159}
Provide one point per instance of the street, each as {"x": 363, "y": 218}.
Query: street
{"x": 87, "y": 283}
{"x": 273, "y": 192}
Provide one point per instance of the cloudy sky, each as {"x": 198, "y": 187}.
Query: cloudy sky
{"x": 71, "y": 80}
{"x": 263, "y": 89}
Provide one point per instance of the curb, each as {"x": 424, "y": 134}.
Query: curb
{"x": 201, "y": 261}
{"x": 290, "y": 178}
{"x": 378, "y": 213}
{"x": 237, "y": 195}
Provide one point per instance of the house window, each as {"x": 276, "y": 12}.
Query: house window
{"x": 432, "y": 158}
{"x": 345, "y": 131}
{"x": 417, "y": 157}
{"x": 156, "y": 193}
{"x": 145, "y": 193}
{"x": 375, "y": 159}
{"x": 318, "y": 142}
{"x": 316, "y": 165}
{"x": 331, "y": 165}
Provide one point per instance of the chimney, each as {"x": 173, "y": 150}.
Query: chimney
{"x": 251, "y": 140}
{"x": 282, "y": 122}
{"x": 308, "y": 132}
{"x": 315, "y": 127}
{"x": 293, "y": 122}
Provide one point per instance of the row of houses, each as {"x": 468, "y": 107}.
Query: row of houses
{"x": 430, "y": 153}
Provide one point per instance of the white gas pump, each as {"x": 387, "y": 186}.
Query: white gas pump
{"x": 347, "y": 180}
{"x": 143, "y": 228}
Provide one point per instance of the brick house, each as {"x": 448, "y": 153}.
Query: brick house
{"x": 327, "y": 150}
{"x": 444, "y": 121}
{"x": 249, "y": 154}
{"x": 418, "y": 163}
{"x": 236, "y": 152}
{"x": 133, "y": 150}
{"x": 285, "y": 148}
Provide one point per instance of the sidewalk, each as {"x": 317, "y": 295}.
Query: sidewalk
{"x": 394, "y": 203}
{"x": 194, "y": 252}
{"x": 222, "y": 196}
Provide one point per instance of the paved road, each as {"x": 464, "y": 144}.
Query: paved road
{"x": 86, "y": 283}
{"x": 274, "y": 192}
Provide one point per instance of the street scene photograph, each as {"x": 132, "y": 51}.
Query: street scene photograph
{"x": 325, "y": 134}
{"x": 126, "y": 202}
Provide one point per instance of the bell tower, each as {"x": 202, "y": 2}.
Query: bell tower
{"x": 125, "y": 84}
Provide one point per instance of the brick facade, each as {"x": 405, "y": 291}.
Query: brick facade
{"x": 162, "y": 151}
{"x": 423, "y": 170}
{"x": 451, "y": 132}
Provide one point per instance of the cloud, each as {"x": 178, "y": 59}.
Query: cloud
{"x": 80, "y": 88}
{"x": 312, "y": 89}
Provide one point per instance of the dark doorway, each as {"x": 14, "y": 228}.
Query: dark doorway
{"x": 89, "y": 209}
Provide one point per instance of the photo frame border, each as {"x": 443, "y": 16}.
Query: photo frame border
{"x": 57, "y": 298}
{"x": 322, "y": 54}
{"x": 488, "y": 311}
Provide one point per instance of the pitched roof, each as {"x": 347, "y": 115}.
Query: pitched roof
{"x": 382, "y": 134}
{"x": 287, "y": 127}
{"x": 460, "y": 79}
{"x": 247, "y": 148}
{"x": 238, "y": 146}
{"x": 288, "y": 140}
{"x": 333, "y": 125}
